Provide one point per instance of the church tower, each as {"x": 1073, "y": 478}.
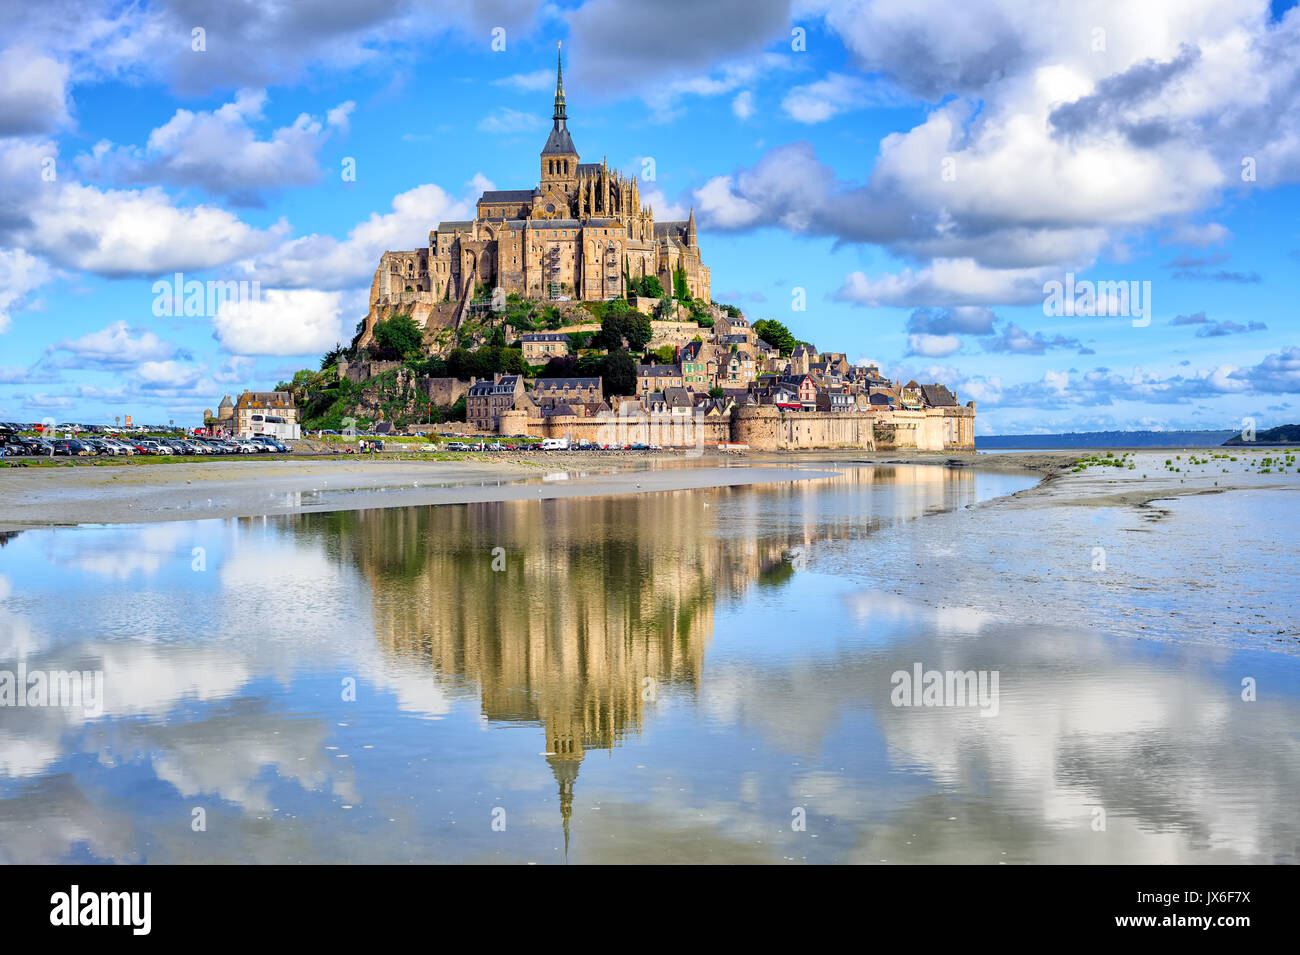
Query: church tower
{"x": 559, "y": 155}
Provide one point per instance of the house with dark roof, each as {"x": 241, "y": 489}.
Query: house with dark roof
{"x": 657, "y": 378}
{"x": 938, "y": 396}
{"x": 486, "y": 401}
{"x": 569, "y": 390}
{"x": 541, "y": 347}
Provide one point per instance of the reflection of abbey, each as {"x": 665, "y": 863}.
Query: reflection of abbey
{"x": 578, "y": 234}
{"x": 641, "y": 578}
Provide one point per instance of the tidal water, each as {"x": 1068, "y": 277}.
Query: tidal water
{"x": 689, "y": 676}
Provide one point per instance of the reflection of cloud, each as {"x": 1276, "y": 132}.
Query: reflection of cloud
{"x": 140, "y": 550}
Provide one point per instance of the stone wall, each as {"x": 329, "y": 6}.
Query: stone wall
{"x": 765, "y": 428}
{"x": 359, "y": 371}
{"x": 443, "y": 392}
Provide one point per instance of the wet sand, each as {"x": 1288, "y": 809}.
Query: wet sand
{"x": 139, "y": 492}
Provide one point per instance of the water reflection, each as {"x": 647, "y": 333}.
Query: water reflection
{"x": 719, "y": 649}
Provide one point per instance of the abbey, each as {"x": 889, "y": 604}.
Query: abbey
{"x": 579, "y": 234}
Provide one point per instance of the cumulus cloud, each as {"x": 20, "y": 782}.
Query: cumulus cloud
{"x": 837, "y": 93}
{"x": 1015, "y": 340}
{"x": 220, "y": 151}
{"x": 946, "y": 283}
{"x": 33, "y": 92}
{"x": 1276, "y": 373}
{"x": 119, "y": 233}
{"x": 115, "y": 345}
{"x": 674, "y": 39}
{"x": 932, "y": 346}
{"x": 281, "y": 322}
{"x": 324, "y": 262}
{"x": 1052, "y": 151}
{"x": 108, "y": 39}
{"x": 743, "y": 105}
{"x": 1212, "y": 329}
{"x": 534, "y": 82}
{"x": 20, "y": 274}
{"x": 1212, "y": 233}
{"x": 969, "y": 320}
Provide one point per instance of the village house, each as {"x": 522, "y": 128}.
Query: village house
{"x": 550, "y": 391}
{"x": 693, "y": 359}
{"x": 835, "y": 400}
{"x": 657, "y": 378}
{"x": 486, "y": 401}
{"x": 541, "y": 347}
{"x": 740, "y": 369}
{"x": 938, "y": 396}
{"x": 265, "y": 412}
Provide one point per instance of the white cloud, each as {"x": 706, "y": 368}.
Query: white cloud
{"x": 743, "y": 105}
{"x": 33, "y": 94}
{"x": 121, "y": 232}
{"x": 932, "y": 346}
{"x": 20, "y": 274}
{"x": 117, "y": 344}
{"x": 220, "y": 151}
{"x": 1199, "y": 235}
{"x": 168, "y": 374}
{"x": 533, "y": 82}
{"x": 322, "y": 261}
{"x": 665, "y": 209}
{"x": 837, "y": 93}
{"x": 946, "y": 282}
{"x": 281, "y": 322}
{"x": 506, "y": 120}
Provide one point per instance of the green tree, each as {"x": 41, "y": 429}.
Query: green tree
{"x": 775, "y": 334}
{"x": 681, "y": 290}
{"x": 649, "y": 286}
{"x": 331, "y": 357}
{"x": 618, "y": 374}
{"x": 637, "y": 331}
{"x": 397, "y": 338}
{"x": 716, "y": 392}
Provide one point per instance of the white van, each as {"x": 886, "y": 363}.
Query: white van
{"x": 555, "y": 444}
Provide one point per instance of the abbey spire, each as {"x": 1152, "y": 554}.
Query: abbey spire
{"x": 558, "y": 115}
{"x": 559, "y": 144}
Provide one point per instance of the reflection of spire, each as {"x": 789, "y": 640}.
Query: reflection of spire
{"x": 565, "y": 767}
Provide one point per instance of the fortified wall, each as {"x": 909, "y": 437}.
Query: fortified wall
{"x": 765, "y": 428}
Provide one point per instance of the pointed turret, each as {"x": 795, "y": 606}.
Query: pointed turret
{"x": 691, "y": 242}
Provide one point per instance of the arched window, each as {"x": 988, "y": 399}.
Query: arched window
{"x": 566, "y": 167}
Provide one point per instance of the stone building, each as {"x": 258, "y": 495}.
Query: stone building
{"x": 486, "y": 401}
{"x": 264, "y": 412}
{"x": 578, "y": 234}
{"x": 567, "y": 390}
{"x": 541, "y": 347}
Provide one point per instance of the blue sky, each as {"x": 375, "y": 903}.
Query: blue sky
{"x": 915, "y": 172}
